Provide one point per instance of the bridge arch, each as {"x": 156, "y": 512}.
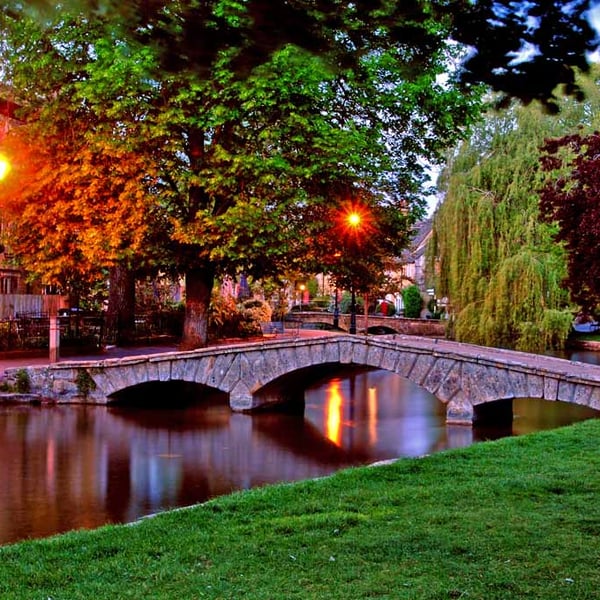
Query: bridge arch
{"x": 380, "y": 330}
{"x": 148, "y": 393}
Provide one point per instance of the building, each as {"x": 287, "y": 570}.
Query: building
{"x": 412, "y": 261}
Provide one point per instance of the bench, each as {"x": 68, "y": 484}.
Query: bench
{"x": 272, "y": 328}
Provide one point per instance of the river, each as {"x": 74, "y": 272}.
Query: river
{"x": 71, "y": 467}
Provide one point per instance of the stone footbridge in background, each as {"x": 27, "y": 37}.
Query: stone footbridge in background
{"x": 464, "y": 377}
{"x": 371, "y": 324}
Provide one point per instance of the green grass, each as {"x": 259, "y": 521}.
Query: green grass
{"x": 515, "y": 518}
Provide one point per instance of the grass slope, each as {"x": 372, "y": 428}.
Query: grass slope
{"x": 515, "y": 518}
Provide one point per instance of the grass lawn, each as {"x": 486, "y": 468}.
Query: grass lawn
{"x": 514, "y": 518}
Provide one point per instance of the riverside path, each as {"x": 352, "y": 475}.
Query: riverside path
{"x": 463, "y": 377}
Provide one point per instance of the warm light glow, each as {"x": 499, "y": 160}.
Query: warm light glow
{"x": 334, "y": 413}
{"x": 372, "y": 414}
{"x": 354, "y": 219}
{"x": 4, "y": 167}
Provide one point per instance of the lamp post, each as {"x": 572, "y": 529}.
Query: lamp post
{"x": 336, "y": 310}
{"x": 354, "y": 220}
{"x": 352, "y": 310}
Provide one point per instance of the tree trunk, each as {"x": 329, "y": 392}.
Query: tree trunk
{"x": 120, "y": 315}
{"x": 198, "y": 288}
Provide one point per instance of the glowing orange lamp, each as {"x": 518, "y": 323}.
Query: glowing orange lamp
{"x": 354, "y": 219}
{"x": 4, "y": 167}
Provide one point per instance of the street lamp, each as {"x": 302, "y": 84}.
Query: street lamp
{"x": 336, "y": 309}
{"x": 301, "y": 289}
{"x": 4, "y": 167}
{"x": 352, "y": 309}
{"x": 354, "y": 221}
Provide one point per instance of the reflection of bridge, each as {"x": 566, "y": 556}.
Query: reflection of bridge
{"x": 373, "y": 323}
{"x": 462, "y": 376}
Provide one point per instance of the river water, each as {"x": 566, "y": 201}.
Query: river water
{"x": 71, "y": 467}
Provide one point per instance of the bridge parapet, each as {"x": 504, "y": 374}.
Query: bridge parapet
{"x": 400, "y": 325}
{"x": 462, "y": 376}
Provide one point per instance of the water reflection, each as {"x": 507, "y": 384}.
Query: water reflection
{"x": 69, "y": 467}
{"x": 375, "y": 415}
{"x": 333, "y": 410}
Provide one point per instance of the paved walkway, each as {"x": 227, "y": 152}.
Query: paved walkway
{"x": 110, "y": 352}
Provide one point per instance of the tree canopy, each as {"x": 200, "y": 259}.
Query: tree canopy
{"x": 122, "y": 161}
{"x": 570, "y": 198}
{"x": 497, "y": 261}
{"x": 521, "y": 48}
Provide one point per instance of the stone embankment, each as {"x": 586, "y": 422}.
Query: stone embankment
{"x": 585, "y": 345}
{"x": 16, "y": 398}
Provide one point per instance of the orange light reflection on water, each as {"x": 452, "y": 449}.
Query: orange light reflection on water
{"x": 333, "y": 413}
{"x": 372, "y": 414}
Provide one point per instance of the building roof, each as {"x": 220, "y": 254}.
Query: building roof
{"x": 422, "y": 232}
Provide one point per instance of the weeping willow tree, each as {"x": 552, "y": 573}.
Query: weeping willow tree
{"x": 493, "y": 257}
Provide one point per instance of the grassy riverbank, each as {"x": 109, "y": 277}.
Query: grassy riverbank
{"x": 516, "y": 518}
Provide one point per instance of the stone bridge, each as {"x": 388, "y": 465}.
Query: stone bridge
{"x": 464, "y": 377}
{"x": 374, "y": 323}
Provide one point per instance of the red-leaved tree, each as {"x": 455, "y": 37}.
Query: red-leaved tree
{"x": 571, "y": 198}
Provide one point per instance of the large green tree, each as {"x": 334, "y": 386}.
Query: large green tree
{"x": 207, "y": 171}
{"x": 496, "y": 259}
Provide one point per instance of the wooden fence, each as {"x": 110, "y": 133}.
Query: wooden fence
{"x": 13, "y": 305}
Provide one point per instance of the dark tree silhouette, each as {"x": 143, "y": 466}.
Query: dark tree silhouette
{"x": 526, "y": 49}
{"x": 521, "y": 48}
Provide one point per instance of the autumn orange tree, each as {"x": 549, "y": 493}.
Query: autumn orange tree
{"x": 78, "y": 204}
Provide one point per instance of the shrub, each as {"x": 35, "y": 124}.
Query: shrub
{"x": 224, "y": 318}
{"x": 413, "y": 302}
{"x": 85, "y": 383}
{"x": 228, "y": 319}
{"x": 22, "y": 381}
{"x": 256, "y": 311}
{"x": 346, "y": 300}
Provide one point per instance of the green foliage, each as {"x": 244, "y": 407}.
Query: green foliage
{"x": 563, "y": 37}
{"x": 22, "y": 382}
{"x": 345, "y": 303}
{"x": 497, "y": 260}
{"x": 312, "y": 285}
{"x": 198, "y": 170}
{"x": 413, "y": 302}
{"x": 84, "y": 382}
{"x": 556, "y": 326}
